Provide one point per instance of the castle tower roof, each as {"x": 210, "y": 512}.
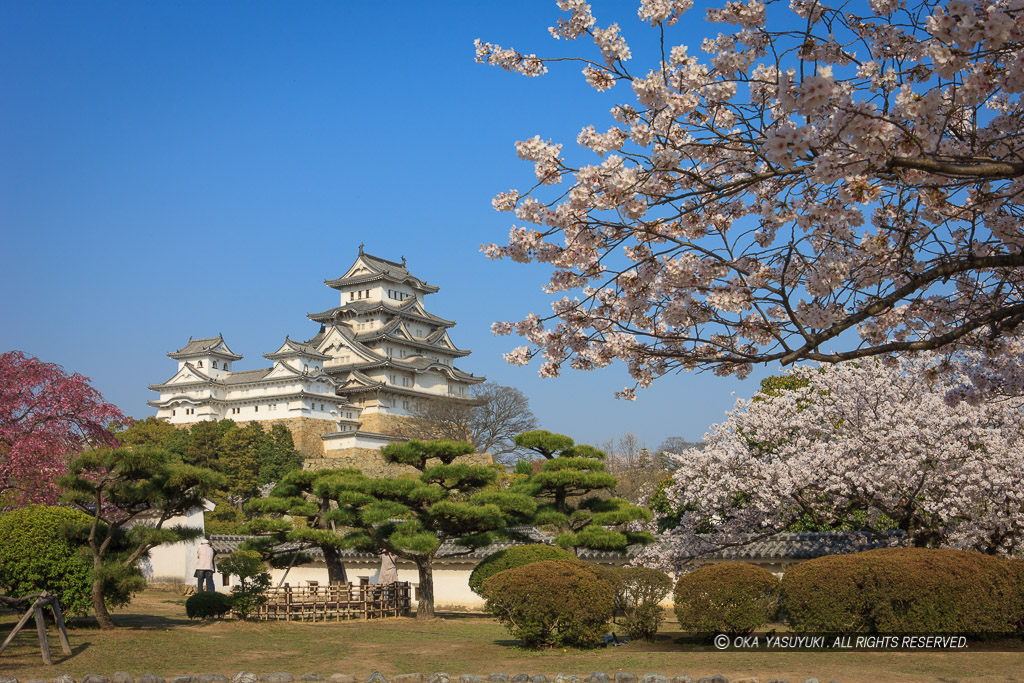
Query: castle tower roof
{"x": 293, "y": 349}
{"x": 368, "y": 268}
{"x": 211, "y": 346}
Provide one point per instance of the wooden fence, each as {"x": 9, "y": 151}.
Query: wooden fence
{"x": 336, "y": 601}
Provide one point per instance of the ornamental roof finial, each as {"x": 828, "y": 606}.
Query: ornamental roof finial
{"x": 403, "y": 260}
{"x": 361, "y": 244}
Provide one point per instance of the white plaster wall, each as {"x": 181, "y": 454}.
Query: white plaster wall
{"x": 169, "y": 562}
{"x": 451, "y": 583}
{"x": 434, "y": 382}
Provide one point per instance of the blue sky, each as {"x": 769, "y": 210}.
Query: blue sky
{"x": 182, "y": 168}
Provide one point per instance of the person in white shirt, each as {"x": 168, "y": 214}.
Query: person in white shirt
{"x": 205, "y": 566}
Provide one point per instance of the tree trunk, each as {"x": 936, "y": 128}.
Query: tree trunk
{"x": 425, "y": 607}
{"x": 100, "y": 607}
{"x": 335, "y": 567}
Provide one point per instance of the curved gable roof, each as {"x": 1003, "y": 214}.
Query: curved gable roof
{"x": 368, "y": 268}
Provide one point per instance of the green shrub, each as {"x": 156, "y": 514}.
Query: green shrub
{"x": 731, "y": 597}
{"x": 516, "y": 556}
{"x": 253, "y": 578}
{"x": 638, "y": 595}
{"x": 551, "y": 603}
{"x": 207, "y": 604}
{"x": 45, "y": 548}
{"x": 904, "y": 590}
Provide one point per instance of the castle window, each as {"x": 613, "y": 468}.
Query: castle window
{"x": 256, "y": 408}
{"x": 172, "y": 413}
{"x": 200, "y": 364}
{"x": 214, "y": 365}
{"x": 225, "y": 365}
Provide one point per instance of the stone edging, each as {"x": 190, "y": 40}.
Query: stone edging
{"x": 378, "y": 677}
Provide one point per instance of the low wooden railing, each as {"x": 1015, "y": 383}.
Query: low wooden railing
{"x": 336, "y": 601}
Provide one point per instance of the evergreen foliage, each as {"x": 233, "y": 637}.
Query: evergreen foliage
{"x": 730, "y": 597}
{"x": 239, "y": 451}
{"x": 253, "y": 580}
{"x": 551, "y": 603}
{"x": 905, "y": 590}
{"x": 42, "y": 548}
{"x": 305, "y": 500}
{"x": 249, "y": 457}
{"x": 411, "y": 516}
{"x": 638, "y": 595}
{"x": 569, "y": 488}
{"x": 516, "y": 556}
{"x": 207, "y": 604}
{"x": 132, "y": 491}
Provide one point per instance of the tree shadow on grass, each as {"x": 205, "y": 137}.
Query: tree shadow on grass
{"x": 463, "y": 616}
{"x": 133, "y": 621}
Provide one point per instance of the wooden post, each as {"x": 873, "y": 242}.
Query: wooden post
{"x": 62, "y": 631}
{"x": 44, "y": 644}
{"x": 287, "y": 602}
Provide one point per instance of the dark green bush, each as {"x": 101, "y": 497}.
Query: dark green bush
{"x": 551, "y": 603}
{"x": 253, "y": 580}
{"x": 207, "y": 604}
{"x": 638, "y": 595}
{"x": 44, "y": 548}
{"x": 516, "y": 556}
{"x": 730, "y": 597}
{"x": 904, "y": 590}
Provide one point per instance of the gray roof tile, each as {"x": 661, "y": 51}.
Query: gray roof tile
{"x": 808, "y": 545}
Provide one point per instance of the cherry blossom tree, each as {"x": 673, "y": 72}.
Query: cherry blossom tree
{"x": 46, "y": 415}
{"x": 828, "y": 181}
{"x": 864, "y": 445}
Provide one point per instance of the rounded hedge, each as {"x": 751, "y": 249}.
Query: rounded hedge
{"x": 905, "y": 590}
{"x": 207, "y": 604}
{"x": 39, "y": 550}
{"x": 516, "y": 556}
{"x": 730, "y": 597}
{"x": 638, "y": 595}
{"x": 551, "y": 603}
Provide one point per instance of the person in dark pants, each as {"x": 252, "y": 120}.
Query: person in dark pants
{"x": 205, "y": 566}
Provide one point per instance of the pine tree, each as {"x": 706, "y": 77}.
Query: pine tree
{"x": 412, "y": 516}
{"x": 132, "y": 491}
{"x": 300, "y": 493}
{"x": 568, "y": 488}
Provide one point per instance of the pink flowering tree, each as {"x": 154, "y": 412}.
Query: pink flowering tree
{"x": 818, "y": 180}
{"x": 46, "y": 415}
{"x": 861, "y": 445}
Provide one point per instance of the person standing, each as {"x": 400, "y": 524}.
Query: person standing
{"x": 205, "y": 566}
{"x": 388, "y": 571}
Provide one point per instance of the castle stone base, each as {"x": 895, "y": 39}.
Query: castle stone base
{"x": 305, "y": 433}
{"x": 371, "y": 463}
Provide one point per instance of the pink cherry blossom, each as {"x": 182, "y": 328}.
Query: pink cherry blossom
{"x": 46, "y": 415}
{"x": 864, "y": 445}
{"x": 826, "y": 182}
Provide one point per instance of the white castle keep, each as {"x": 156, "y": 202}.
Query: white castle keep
{"x": 378, "y": 355}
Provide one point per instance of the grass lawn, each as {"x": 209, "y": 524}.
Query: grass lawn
{"x": 155, "y": 637}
